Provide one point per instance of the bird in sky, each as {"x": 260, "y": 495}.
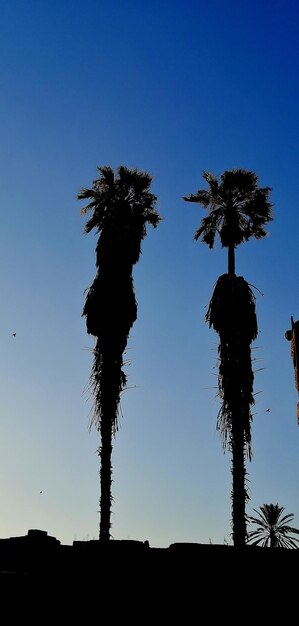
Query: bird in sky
{"x": 14, "y": 334}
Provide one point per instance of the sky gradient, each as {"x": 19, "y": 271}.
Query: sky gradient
{"x": 173, "y": 88}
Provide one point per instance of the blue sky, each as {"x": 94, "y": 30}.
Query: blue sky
{"x": 174, "y": 88}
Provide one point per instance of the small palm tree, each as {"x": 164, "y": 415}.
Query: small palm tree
{"x": 121, "y": 206}
{"x": 238, "y": 209}
{"x": 272, "y": 529}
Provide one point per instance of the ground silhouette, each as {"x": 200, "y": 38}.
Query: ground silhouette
{"x": 132, "y": 580}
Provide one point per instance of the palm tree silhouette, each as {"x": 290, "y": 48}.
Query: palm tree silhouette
{"x": 121, "y": 206}
{"x": 272, "y": 529}
{"x": 238, "y": 209}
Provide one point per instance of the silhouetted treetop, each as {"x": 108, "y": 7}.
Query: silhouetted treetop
{"x": 121, "y": 206}
{"x": 272, "y": 529}
{"x": 238, "y": 208}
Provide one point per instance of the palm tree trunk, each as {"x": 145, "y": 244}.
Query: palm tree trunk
{"x": 238, "y": 456}
{"x": 239, "y": 494}
{"x": 231, "y": 259}
{"x": 105, "y": 480}
{"x": 272, "y": 539}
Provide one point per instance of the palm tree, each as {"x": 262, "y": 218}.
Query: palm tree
{"x": 121, "y": 206}
{"x": 238, "y": 209}
{"x": 272, "y": 529}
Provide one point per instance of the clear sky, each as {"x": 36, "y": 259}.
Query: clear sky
{"x": 171, "y": 87}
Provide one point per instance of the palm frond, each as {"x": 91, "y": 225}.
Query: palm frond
{"x": 202, "y": 196}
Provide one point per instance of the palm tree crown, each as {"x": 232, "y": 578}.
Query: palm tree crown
{"x": 272, "y": 529}
{"x": 121, "y": 206}
{"x": 238, "y": 208}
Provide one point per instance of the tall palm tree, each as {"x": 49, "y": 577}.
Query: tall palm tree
{"x": 272, "y": 529}
{"x": 238, "y": 209}
{"x": 121, "y": 205}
